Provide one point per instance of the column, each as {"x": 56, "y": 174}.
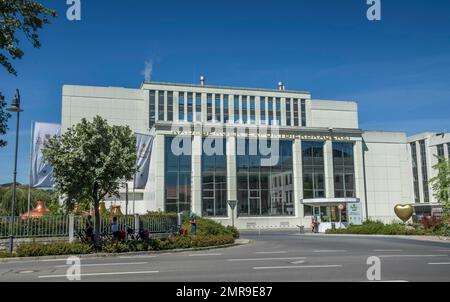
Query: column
{"x": 298, "y": 178}
{"x": 283, "y": 112}
{"x": 257, "y": 110}
{"x": 160, "y": 169}
{"x": 358, "y": 159}
{"x": 419, "y": 170}
{"x": 175, "y": 106}
{"x": 196, "y": 190}
{"x": 231, "y": 172}
{"x": 328, "y": 166}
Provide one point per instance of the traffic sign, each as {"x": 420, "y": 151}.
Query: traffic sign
{"x": 232, "y": 204}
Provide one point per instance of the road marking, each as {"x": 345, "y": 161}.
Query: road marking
{"x": 136, "y": 257}
{"x": 52, "y": 260}
{"x": 199, "y": 255}
{"x": 291, "y": 267}
{"x": 392, "y": 256}
{"x": 298, "y": 262}
{"x": 439, "y": 263}
{"x": 443, "y": 250}
{"x": 279, "y": 252}
{"x": 102, "y": 274}
{"x": 105, "y": 264}
{"x": 267, "y": 259}
{"x": 330, "y": 251}
{"x": 388, "y": 250}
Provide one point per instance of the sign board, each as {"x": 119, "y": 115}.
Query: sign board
{"x": 232, "y": 204}
{"x": 354, "y": 214}
{"x": 341, "y": 207}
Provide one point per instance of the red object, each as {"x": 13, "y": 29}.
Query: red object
{"x": 121, "y": 234}
{"x": 37, "y": 212}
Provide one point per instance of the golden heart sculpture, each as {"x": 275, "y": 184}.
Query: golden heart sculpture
{"x": 404, "y": 211}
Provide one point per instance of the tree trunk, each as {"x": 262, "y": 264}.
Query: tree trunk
{"x": 97, "y": 225}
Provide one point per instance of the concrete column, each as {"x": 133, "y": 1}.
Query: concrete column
{"x": 175, "y": 106}
{"x": 257, "y": 110}
{"x": 283, "y": 112}
{"x": 165, "y": 106}
{"x": 196, "y": 177}
{"x": 159, "y": 171}
{"x": 298, "y": 178}
{"x": 71, "y": 228}
{"x": 204, "y": 108}
{"x": 222, "y": 119}
{"x": 419, "y": 169}
{"x": 231, "y": 171}
{"x": 359, "y": 175}
{"x": 328, "y": 166}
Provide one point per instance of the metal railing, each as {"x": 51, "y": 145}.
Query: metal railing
{"x": 59, "y": 226}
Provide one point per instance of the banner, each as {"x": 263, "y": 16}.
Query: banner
{"x": 144, "y": 145}
{"x": 41, "y": 172}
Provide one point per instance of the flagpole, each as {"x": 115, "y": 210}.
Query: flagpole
{"x": 134, "y": 193}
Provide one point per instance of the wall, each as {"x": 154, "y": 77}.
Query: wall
{"x": 332, "y": 114}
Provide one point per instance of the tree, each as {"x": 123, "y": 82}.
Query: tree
{"x": 441, "y": 183}
{"x": 4, "y": 116}
{"x": 20, "y": 15}
{"x": 89, "y": 162}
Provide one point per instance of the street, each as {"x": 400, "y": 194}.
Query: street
{"x": 273, "y": 256}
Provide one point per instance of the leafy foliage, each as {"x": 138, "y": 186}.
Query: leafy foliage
{"x": 441, "y": 184}
{"x": 56, "y": 248}
{"x": 206, "y": 227}
{"x": 20, "y": 16}
{"x": 4, "y": 116}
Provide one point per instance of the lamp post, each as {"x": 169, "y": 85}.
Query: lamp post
{"x": 15, "y": 107}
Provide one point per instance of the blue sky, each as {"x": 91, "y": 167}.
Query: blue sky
{"x": 397, "y": 69}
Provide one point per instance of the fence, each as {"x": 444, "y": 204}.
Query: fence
{"x": 69, "y": 225}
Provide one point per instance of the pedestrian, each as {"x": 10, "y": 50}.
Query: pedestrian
{"x": 89, "y": 229}
{"x": 115, "y": 228}
{"x": 193, "y": 224}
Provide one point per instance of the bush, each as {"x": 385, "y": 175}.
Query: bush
{"x": 234, "y": 231}
{"x": 206, "y": 227}
{"x": 114, "y": 247}
{"x": 379, "y": 228}
{"x": 57, "y": 248}
{"x": 5, "y": 254}
{"x": 182, "y": 242}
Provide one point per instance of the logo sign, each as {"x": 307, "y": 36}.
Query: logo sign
{"x": 232, "y": 204}
{"x": 341, "y": 207}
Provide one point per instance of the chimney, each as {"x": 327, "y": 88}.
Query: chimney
{"x": 202, "y": 81}
{"x": 281, "y": 86}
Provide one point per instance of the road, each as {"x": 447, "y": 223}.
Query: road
{"x": 271, "y": 256}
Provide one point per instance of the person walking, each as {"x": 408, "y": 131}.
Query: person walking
{"x": 89, "y": 228}
{"x": 193, "y": 224}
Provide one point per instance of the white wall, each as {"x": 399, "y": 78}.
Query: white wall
{"x": 388, "y": 173}
{"x": 334, "y": 114}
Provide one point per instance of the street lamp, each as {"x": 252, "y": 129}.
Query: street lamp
{"x": 15, "y": 107}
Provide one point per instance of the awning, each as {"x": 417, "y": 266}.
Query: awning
{"x": 328, "y": 201}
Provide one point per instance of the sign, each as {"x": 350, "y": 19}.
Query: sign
{"x": 341, "y": 207}
{"x": 144, "y": 146}
{"x": 232, "y": 204}
{"x": 354, "y": 214}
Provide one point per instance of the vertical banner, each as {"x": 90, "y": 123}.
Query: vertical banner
{"x": 144, "y": 145}
{"x": 42, "y": 172}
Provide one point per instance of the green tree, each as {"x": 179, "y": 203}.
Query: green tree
{"x": 89, "y": 162}
{"x": 441, "y": 183}
{"x": 24, "y": 16}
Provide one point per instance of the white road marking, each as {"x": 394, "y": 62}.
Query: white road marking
{"x": 291, "y": 267}
{"x": 267, "y": 259}
{"x": 102, "y": 274}
{"x": 105, "y": 264}
{"x": 137, "y": 257}
{"x": 279, "y": 252}
{"x": 298, "y": 262}
{"x": 199, "y": 255}
{"x": 439, "y": 263}
{"x": 388, "y": 250}
{"x": 392, "y": 256}
{"x": 329, "y": 251}
{"x": 53, "y": 260}
{"x": 443, "y": 250}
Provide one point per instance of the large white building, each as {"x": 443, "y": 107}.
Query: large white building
{"x": 326, "y": 166}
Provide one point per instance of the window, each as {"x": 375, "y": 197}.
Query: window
{"x": 262, "y": 106}
{"x": 344, "y": 170}
{"x": 313, "y": 170}
{"x": 177, "y": 180}
{"x": 296, "y": 116}
{"x": 198, "y": 107}
{"x": 214, "y": 179}
{"x": 226, "y": 108}
{"x": 278, "y": 111}
{"x": 236, "y": 109}
{"x": 190, "y": 102}
{"x": 288, "y": 112}
{"x": 217, "y": 109}
{"x": 181, "y": 116}
{"x": 244, "y": 109}
{"x": 152, "y": 119}
{"x": 415, "y": 172}
{"x": 423, "y": 155}
{"x": 161, "y": 106}
{"x": 170, "y": 106}
{"x": 209, "y": 101}
{"x": 263, "y": 190}
{"x": 440, "y": 151}
{"x": 252, "y": 110}
{"x": 303, "y": 109}
{"x": 271, "y": 113}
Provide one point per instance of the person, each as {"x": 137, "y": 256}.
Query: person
{"x": 193, "y": 224}
{"x": 115, "y": 228}
{"x": 89, "y": 230}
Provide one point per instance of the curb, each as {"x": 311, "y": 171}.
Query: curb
{"x": 237, "y": 242}
{"x": 411, "y": 237}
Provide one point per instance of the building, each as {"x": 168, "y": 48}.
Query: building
{"x": 325, "y": 165}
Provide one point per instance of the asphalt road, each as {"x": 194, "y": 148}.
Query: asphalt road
{"x": 272, "y": 256}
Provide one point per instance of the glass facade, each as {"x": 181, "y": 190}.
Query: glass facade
{"x": 177, "y": 180}
{"x": 236, "y": 109}
{"x": 271, "y": 112}
{"x": 190, "y": 106}
{"x": 214, "y": 179}
{"x": 209, "y": 107}
{"x": 217, "y": 108}
{"x": 296, "y": 116}
{"x": 252, "y": 110}
{"x": 262, "y": 111}
{"x": 198, "y": 107}
{"x": 226, "y": 108}
{"x": 278, "y": 111}
{"x": 244, "y": 110}
{"x": 423, "y": 155}
{"x": 152, "y": 118}
{"x": 440, "y": 150}
{"x": 313, "y": 170}
{"x": 288, "y": 112}
{"x": 161, "y": 108}
{"x": 415, "y": 172}
{"x": 303, "y": 109}
{"x": 344, "y": 170}
{"x": 170, "y": 106}
{"x": 181, "y": 116}
{"x": 264, "y": 190}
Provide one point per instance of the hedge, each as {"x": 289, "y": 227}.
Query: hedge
{"x": 379, "y": 228}
{"x": 56, "y": 248}
{"x": 207, "y": 227}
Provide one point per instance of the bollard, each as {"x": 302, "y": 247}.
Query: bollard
{"x": 71, "y": 227}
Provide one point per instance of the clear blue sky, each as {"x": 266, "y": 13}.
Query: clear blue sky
{"x": 397, "y": 69}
